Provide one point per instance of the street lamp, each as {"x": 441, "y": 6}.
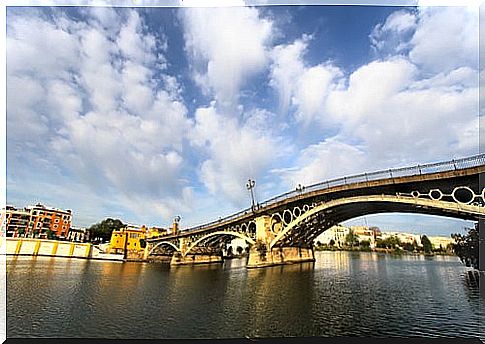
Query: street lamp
{"x": 250, "y": 185}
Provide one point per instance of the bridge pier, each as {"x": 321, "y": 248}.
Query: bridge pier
{"x": 192, "y": 259}
{"x": 279, "y": 256}
{"x": 262, "y": 255}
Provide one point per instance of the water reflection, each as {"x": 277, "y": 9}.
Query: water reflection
{"x": 341, "y": 294}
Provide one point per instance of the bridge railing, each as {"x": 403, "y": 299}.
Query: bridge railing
{"x": 455, "y": 164}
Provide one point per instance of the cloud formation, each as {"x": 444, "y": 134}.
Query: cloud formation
{"x": 97, "y": 101}
{"x": 94, "y": 106}
{"x": 402, "y": 109}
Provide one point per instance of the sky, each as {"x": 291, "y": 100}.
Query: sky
{"x": 147, "y": 113}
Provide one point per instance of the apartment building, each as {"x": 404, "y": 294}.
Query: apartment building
{"x": 37, "y": 221}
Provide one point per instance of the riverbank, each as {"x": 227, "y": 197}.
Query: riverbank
{"x": 382, "y": 250}
{"x": 54, "y": 248}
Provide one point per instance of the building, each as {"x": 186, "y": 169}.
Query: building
{"x": 335, "y": 233}
{"x": 404, "y": 238}
{"x": 128, "y": 239}
{"x": 37, "y": 221}
{"x": 77, "y": 234}
{"x": 14, "y": 221}
{"x": 156, "y": 232}
{"x": 365, "y": 233}
{"x": 440, "y": 241}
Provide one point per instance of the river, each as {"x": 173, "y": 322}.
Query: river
{"x": 341, "y": 294}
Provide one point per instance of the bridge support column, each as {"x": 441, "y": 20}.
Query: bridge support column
{"x": 260, "y": 254}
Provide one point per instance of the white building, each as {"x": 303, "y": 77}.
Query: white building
{"x": 335, "y": 233}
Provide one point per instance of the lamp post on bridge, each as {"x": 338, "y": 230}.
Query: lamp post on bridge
{"x": 250, "y": 185}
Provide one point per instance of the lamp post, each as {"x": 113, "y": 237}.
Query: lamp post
{"x": 250, "y": 185}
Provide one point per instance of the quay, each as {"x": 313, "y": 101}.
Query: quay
{"x": 54, "y": 248}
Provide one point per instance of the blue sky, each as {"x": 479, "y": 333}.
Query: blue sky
{"x": 143, "y": 114}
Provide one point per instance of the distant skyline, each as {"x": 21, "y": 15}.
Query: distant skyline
{"x": 143, "y": 114}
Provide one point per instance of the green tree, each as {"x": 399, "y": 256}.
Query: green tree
{"x": 466, "y": 247}
{"x": 365, "y": 245}
{"x": 427, "y": 246}
{"x": 332, "y": 242}
{"x": 50, "y": 234}
{"x": 352, "y": 239}
{"x": 103, "y": 229}
{"x": 408, "y": 247}
{"x": 21, "y": 231}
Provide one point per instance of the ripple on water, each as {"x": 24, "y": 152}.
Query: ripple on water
{"x": 340, "y": 295}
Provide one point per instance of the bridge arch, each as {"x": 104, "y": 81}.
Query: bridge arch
{"x": 163, "y": 243}
{"x": 420, "y": 205}
{"x": 235, "y": 234}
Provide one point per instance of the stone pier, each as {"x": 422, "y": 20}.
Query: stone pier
{"x": 262, "y": 255}
{"x": 192, "y": 259}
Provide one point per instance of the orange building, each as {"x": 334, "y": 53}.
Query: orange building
{"x": 36, "y": 221}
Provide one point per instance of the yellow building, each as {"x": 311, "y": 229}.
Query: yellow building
{"x": 156, "y": 232}
{"x": 128, "y": 239}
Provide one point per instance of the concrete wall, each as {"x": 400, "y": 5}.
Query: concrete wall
{"x": 41, "y": 247}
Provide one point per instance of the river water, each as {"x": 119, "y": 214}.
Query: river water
{"x": 341, "y": 294}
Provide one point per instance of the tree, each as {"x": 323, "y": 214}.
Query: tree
{"x": 104, "y": 229}
{"x": 466, "y": 247}
{"x": 332, "y": 242}
{"x": 50, "y": 234}
{"x": 229, "y": 252}
{"x": 239, "y": 250}
{"x": 352, "y": 238}
{"x": 365, "y": 245}
{"x": 427, "y": 246}
{"x": 408, "y": 247}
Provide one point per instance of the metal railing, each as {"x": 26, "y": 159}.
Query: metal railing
{"x": 458, "y": 164}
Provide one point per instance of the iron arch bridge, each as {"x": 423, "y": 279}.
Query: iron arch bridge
{"x": 282, "y": 229}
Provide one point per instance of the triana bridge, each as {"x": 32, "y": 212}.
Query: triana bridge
{"x": 282, "y": 230}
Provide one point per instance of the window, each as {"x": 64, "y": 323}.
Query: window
{"x": 56, "y": 221}
{"x": 55, "y": 226}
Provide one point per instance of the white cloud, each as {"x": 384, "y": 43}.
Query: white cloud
{"x": 446, "y": 38}
{"x": 398, "y": 110}
{"x": 302, "y": 87}
{"x": 325, "y": 160}
{"x": 236, "y": 151}
{"x": 226, "y": 52}
{"x": 286, "y": 67}
{"x": 83, "y": 94}
{"x": 391, "y": 36}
